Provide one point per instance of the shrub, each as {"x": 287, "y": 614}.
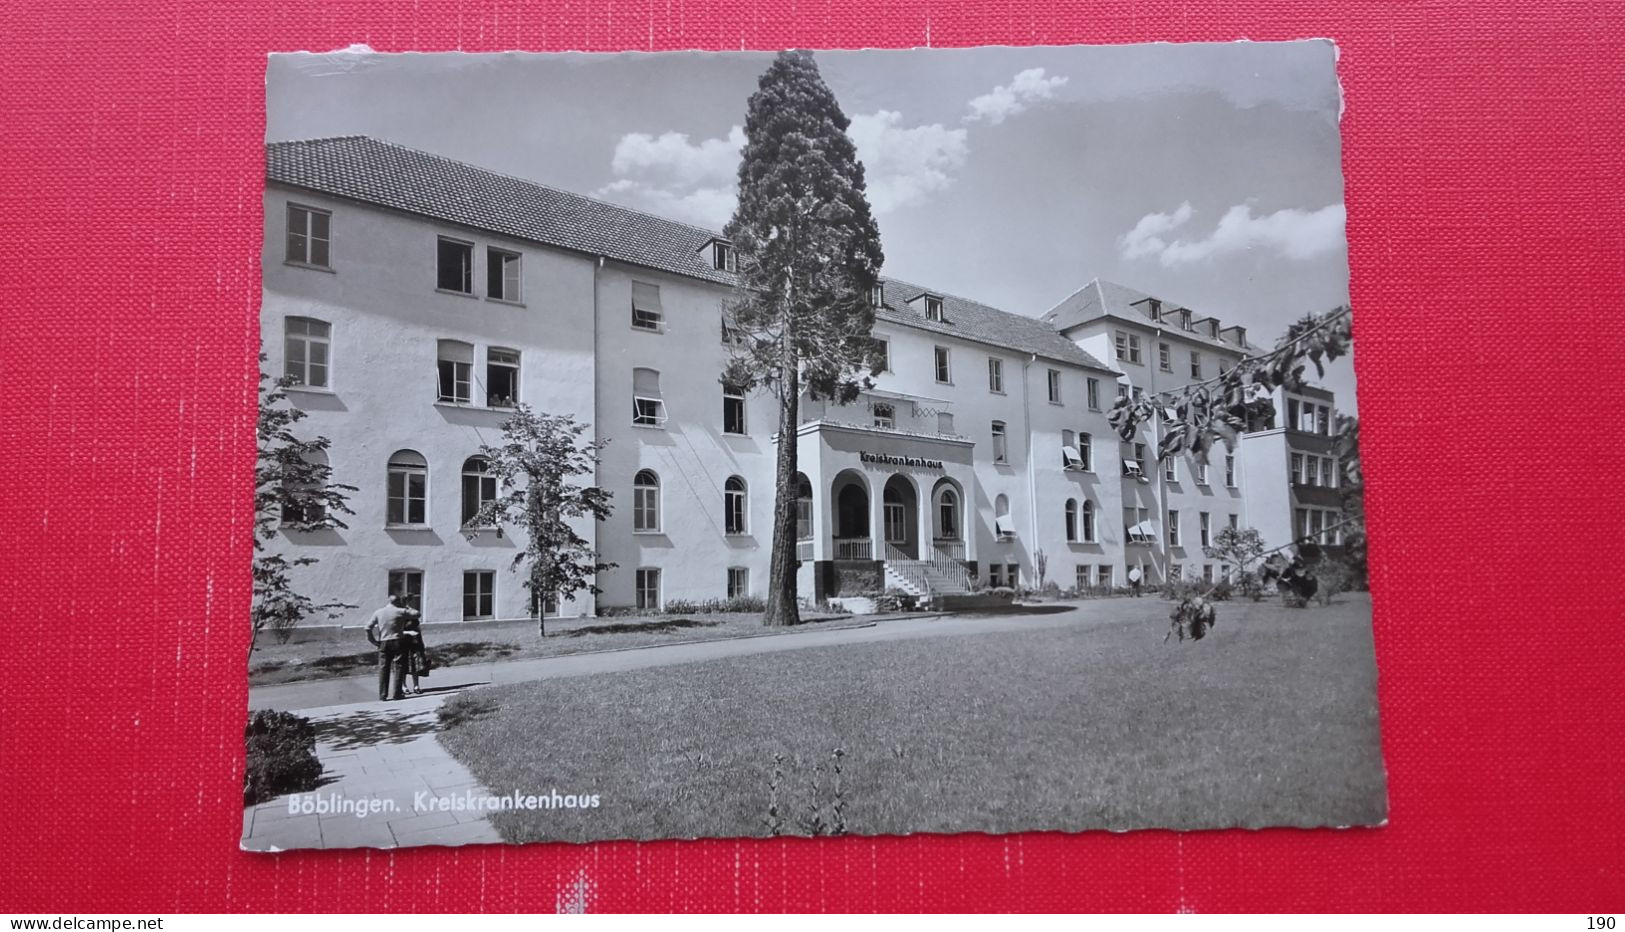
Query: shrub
{"x": 281, "y": 756}
{"x": 1334, "y": 576}
{"x": 741, "y": 604}
{"x": 896, "y": 600}
{"x": 1181, "y": 589}
{"x": 1222, "y": 591}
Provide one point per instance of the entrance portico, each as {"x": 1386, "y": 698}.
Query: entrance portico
{"x": 883, "y": 498}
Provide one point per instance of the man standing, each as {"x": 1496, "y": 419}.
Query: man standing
{"x": 385, "y": 630}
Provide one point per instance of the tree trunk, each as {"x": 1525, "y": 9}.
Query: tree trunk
{"x": 781, "y": 578}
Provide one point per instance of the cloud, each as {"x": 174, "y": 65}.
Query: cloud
{"x": 1293, "y": 233}
{"x": 1010, "y": 99}
{"x": 903, "y": 164}
{"x": 675, "y": 176}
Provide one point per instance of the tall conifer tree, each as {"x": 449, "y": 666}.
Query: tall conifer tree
{"x": 809, "y": 254}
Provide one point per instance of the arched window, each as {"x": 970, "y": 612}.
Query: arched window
{"x": 646, "y": 501}
{"x": 1071, "y": 520}
{"x": 408, "y": 488}
{"x": 479, "y": 487}
{"x": 947, "y": 515}
{"x": 733, "y": 505}
{"x": 1002, "y": 524}
{"x": 1088, "y": 521}
{"x": 804, "y": 508}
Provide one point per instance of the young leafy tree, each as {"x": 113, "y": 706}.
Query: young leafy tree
{"x": 808, "y": 254}
{"x": 293, "y": 491}
{"x": 536, "y": 465}
{"x": 1352, "y": 486}
{"x": 1241, "y": 547}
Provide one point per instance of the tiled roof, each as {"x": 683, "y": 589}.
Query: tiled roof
{"x": 375, "y": 172}
{"x": 372, "y": 171}
{"x": 971, "y": 320}
{"x": 1101, "y": 298}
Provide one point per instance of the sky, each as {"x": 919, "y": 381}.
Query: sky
{"x": 1205, "y": 174}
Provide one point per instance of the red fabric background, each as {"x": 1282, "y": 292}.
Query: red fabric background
{"x": 1486, "y": 205}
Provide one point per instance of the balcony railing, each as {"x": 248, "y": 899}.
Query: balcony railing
{"x": 854, "y": 549}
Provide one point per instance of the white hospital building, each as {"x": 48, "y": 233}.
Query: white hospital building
{"x": 415, "y": 299}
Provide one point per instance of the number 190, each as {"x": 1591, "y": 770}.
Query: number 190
{"x": 1603, "y": 923}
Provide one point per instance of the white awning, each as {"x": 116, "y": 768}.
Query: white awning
{"x": 1074, "y": 459}
{"x": 1005, "y": 526}
{"x": 646, "y": 297}
{"x": 1132, "y": 466}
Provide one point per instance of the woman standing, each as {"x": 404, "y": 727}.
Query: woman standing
{"x": 417, "y": 655}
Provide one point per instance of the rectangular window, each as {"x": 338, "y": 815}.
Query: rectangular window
{"x": 1307, "y": 422}
{"x": 1235, "y": 522}
{"x": 1080, "y": 578}
{"x": 1292, "y": 413}
{"x": 1323, "y": 420}
{"x": 995, "y": 375}
{"x": 1317, "y": 521}
{"x": 1012, "y": 574}
{"x": 305, "y": 347}
{"x": 1134, "y": 348}
{"x": 501, "y": 377}
{"x": 1297, "y": 469}
{"x": 408, "y": 584}
{"x": 1122, "y": 389}
{"x": 1328, "y": 472}
{"x": 733, "y": 410}
{"x": 1001, "y": 450}
{"x": 308, "y": 236}
{"x": 1120, "y": 343}
{"x": 944, "y": 372}
{"x": 995, "y": 575}
{"x": 1094, "y": 394}
{"x": 1206, "y": 528}
{"x": 1139, "y": 457}
{"x": 1175, "y": 572}
{"x": 1086, "y": 452}
{"x": 502, "y": 275}
{"x": 1207, "y": 573}
{"x": 1170, "y": 470}
{"x": 885, "y": 354}
{"x": 883, "y": 415}
{"x": 648, "y": 586}
{"x": 455, "y": 266}
{"x": 1173, "y": 527}
{"x": 479, "y": 594}
{"x": 1196, "y": 364}
{"x": 723, "y": 258}
{"x": 1201, "y": 474}
{"x": 933, "y": 308}
{"x": 646, "y": 310}
{"x": 1230, "y": 470}
{"x": 1054, "y": 386}
{"x": 1300, "y": 521}
{"x": 877, "y": 296}
{"x": 456, "y": 369}
{"x": 407, "y": 499}
{"x": 1103, "y": 576}
{"x": 738, "y": 582}
{"x": 1165, "y": 357}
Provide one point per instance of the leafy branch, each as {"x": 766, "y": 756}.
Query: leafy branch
{"x": 1196, "y": 416}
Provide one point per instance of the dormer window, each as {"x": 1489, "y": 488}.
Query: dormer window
{"x": 877, "y": 296}
{"x": 933, "y": 308}
{"x": 723, "y": 257}
{"x": 1213, "y": 327}
{"x": 1155, "y": 308}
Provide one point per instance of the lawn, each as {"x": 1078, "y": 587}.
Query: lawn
{"x": 273, "y": 663}
{"x": 1271, "y": 720}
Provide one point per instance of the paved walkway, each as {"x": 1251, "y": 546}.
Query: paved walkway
{"x": 387, "y": 751}
{"x": 374, "y": 751}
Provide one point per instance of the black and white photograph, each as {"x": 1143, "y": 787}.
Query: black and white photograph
{"x": 812, "y": 443}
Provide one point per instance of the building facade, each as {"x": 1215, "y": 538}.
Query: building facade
{"x": 415, "y": 300}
